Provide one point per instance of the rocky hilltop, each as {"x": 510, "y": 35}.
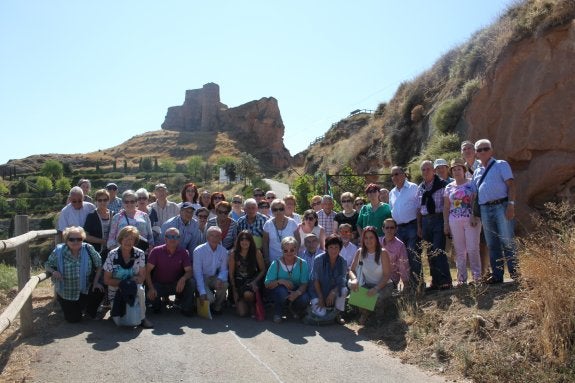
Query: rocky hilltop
{"x": 201, "y": 126}
{"x": 257, "y": 126}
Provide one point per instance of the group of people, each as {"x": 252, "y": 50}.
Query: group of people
{"x": 260, "y": 250}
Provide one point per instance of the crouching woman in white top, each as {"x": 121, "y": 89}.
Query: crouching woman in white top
{"x": 374, "y": 272}
{"x": 125, "y": 266}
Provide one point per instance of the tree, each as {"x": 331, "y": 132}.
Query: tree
{"x": 44, "y": 185}
{"x": 346, "y": 182}
{"x": 114, "y": 165}
{"x": 304, "y": 188}
{"x": 125, "y": 166}
{"x": 4, "y": 189}
{"x": 229, "y": 166}
{"x": 156, "y": 167}
{"x": 207, "y": 172}
{"x": 21, "y": 205}
{"x": 19, "y": 187}
{"x": 247, "y": 167}
{"x": 195, "y": 165}
{"x": 3, "y": 205}
{"x": 62, "y": 185}
{"x": 168, "y": 166}
{"x": 146, "y": 164}
{"x": 52, "y": 169}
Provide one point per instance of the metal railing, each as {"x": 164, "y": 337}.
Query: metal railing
{"x": 22, "y": 304}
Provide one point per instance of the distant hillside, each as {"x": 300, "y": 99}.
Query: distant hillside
{"x": 512, "y": 82}
{"x": 255, "y": 127}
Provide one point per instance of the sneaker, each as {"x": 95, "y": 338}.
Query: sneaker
{"x": 146, "y": 323}
{"x": 277, "y": 319}
{"x": 492, "y": 280}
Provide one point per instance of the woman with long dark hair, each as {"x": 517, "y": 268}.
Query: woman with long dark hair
{"x": 246, "y": 270}
{"x": 371, "y": 269}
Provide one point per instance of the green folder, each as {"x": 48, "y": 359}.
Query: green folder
{"x": 361, "y": 299}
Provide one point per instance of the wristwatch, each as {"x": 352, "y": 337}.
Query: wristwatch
{"x": 511, "y": 202}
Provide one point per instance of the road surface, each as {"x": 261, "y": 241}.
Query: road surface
{"x": 279, "y": 188}
{"x": 225, "y": 349}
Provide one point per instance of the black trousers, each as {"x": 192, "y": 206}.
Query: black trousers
{"x": 73, "y": 309}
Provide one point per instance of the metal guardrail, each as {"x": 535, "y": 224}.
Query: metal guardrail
{"x": 22, "y": 304}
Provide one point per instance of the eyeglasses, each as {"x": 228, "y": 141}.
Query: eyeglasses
{"x": 112, "y": 188}
{"x": 222, "y": 212}
{"x": 258, "y": 195}
{"x": 315, "y": 203}
{"x": 271, "y": 197}
{"x": 346, "y": 201}
{"x": 486, "y": 149}
{"x": 309, "y": 218}
{"x": 102, "y": 200}
{"x": 276, "y": 209}
{"x": 264, "y": 206}
{"x": 396, "y": 174}
{"x": 172, "y": 236}
{"x": 236, "y": 201}
{"x": 75, "y": 239}
{"x": 191, "y": 191}
{"x": 359, "y": 203}
{"x": 218, "y": 197}
{"x": 372, "y": 191}
{"x": 202, "y": 216}
{"x": 130, "y": 201}
{"x": 142, "y": 198}
{"x": 76, "y": 201}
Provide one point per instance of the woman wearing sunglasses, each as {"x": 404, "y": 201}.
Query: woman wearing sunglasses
{"x": 131, "y": 216}
{"x": 227, "y": 225}
{"x": 276, "y": 229}
{"x": 72, "y": 264}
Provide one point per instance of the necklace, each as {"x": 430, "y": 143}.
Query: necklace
{"x": 289, "y": 271}
{"x": 279, "y": 231}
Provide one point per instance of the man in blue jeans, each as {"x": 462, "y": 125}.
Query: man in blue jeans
{"x": 430, "y": 226}
{"x": 404, "y": 204}
{"x": 496, "y": 197}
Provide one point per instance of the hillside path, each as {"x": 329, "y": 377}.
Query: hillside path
{"x": 225, "y": 349}
{"x": 279, "y": 188}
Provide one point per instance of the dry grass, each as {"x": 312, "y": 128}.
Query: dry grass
{"x": 513, "y": 332}
{"x": 547, "y": 267}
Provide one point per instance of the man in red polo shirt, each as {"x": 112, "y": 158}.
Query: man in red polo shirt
{"x": 172, "y": 273}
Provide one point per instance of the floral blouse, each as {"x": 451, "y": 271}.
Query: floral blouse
{"x": 460, "y": 199}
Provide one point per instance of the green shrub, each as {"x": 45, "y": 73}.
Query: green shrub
{"x": 448, "y": 114}
{"x": 8, "y": 277}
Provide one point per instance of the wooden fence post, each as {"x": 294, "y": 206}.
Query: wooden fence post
{"x": 23, "y": 268}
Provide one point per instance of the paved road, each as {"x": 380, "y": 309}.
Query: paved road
{"x": 281, "y": 189}
{"x": 225, "y": 349}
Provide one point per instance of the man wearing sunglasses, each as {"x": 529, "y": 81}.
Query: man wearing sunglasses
{"x": 75, "y": 212}
{"x": 172, "y": 274}
{"x": 496, "y": 197}
{"x": 188, "y": 227}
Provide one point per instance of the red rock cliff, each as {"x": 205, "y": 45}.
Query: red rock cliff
{"x": 527, "y": 109}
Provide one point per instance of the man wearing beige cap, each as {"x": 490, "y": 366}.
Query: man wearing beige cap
{"x": 163, "y": 209}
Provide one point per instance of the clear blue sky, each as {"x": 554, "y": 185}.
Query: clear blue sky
{"x": 80, "y": 76}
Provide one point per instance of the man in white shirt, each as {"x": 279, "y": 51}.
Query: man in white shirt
{"x": 348, "y": 249}
{"x": 211, "y": 269}
{"x": 404, "y": 204}
{"x": 75, "y": 212}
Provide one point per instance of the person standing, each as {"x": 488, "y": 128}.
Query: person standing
{"x": 188, "y": 228}
{"x": 86, "y": 186}
{"x": 161, "y": 210}
{"x": 75, "y": 212}
{"x": 397, "y": 254}
{"x": 463, "y": 226}
{"x": 115, "y": 203}
{"x": 252, "y": 221}
{"x": 430, "y": 222}
{"x": 326, "y": 215}
{"x": 496, "y": 197}
{"x": 374, "y": 213}
{"x": 404, "y": 205}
